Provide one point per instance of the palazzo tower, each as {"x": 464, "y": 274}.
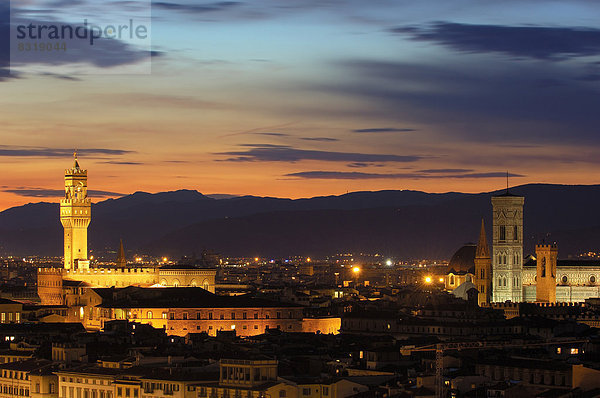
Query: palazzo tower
{"x": 75, "y": 216}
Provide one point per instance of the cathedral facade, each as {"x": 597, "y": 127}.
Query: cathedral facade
{"x": 55, "y": 284}
{"x": 505, "y": 274}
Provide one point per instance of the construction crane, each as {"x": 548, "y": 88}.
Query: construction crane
{"x": 440, "y": 348}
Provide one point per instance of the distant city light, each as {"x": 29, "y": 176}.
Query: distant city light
{"x": 164, "y": 259}
{"x": 256, "y": 259}
{"x": 356, "y": 270}
{"x": 427, "y": 279}
{"x": 441, "y": 279}
{"x": 91, "y": 257}
{"x": 138, "y": 259}
{"x": 308, "y": 259}
{"x": 388, "y": 262}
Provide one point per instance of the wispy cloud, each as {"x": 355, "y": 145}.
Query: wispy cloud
{"x": 196, "y": 8}
{"x": 319, "y": 139}
{"x": 4, "y": 41}
{"x": 384, "y": 130}
{"x": 444, "y": 171}
{"x": 123, "y": 163}
{"x": 280, "y": 153}
{"x": 352, "y": 175}
{"x": 519, "y": 41}
{"x": 364, "y": 164}
{"x": 272, "y": 134}
{"x": 506, "y": 92}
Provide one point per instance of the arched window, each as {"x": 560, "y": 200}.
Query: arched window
{"x": 452, "y": 279}
{"x": 149, "y": 315}
{"x": 205, "y": 284}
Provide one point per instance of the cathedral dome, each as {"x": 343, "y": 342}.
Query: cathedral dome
{"x": 463, "y": 260}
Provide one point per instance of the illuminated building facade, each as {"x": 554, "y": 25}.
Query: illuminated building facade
{"x": 508, "y": 276}
{"x": 75, "y": 216}
{"x": 181, "y": 311}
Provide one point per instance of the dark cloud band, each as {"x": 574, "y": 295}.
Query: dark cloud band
{"x": 274, "y": 153}
{"x": 19, "y": 151}
{"x": 520, "y": 41}
{"x": 344, "y": 175}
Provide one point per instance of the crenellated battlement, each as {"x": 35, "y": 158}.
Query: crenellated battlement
{"x": 70, "y": 172}
{"x": 51, "y": 270}
{"x": 113, "y": 271}
{"x": 547, "y": 246}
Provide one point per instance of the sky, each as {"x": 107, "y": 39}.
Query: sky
{"x": 304, "y": 98}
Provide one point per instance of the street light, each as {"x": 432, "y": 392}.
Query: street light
{"x": 427, "y": 279}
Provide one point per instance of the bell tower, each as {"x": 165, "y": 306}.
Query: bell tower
{"x": 546, "y": 258}
{"x": 507, "y": 251}
{"x": 75, "y": 216}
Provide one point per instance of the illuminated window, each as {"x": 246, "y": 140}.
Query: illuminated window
{"x": 164, "y": 315}
{"x": 558, "y": 350}
{"x": 574, "y": 351}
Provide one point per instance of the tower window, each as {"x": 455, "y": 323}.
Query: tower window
{"x": 516, "y": 233}
{"x": 543, "y": 266}
{"x": 502, "y": 232}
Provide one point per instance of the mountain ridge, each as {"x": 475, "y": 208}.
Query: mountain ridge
{"x": 403, "y": 223}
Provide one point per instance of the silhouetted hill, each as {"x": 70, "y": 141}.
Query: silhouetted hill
{"x": 406, "y": 224}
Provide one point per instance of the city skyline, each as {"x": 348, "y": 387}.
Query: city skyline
{"x": 319, "y": 99}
